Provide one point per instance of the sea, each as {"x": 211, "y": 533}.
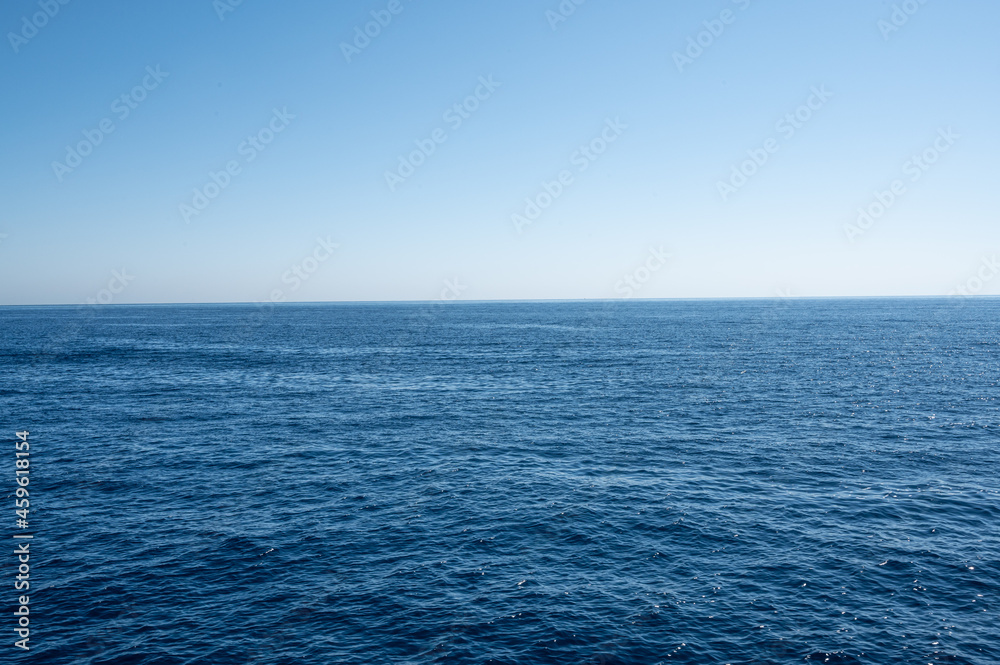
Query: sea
{"x": 590, "y": 482}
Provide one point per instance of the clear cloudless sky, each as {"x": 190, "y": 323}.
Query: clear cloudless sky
{"x": 448, "y": 228}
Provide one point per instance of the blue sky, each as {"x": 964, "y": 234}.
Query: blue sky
{"x": 618, "y": 99}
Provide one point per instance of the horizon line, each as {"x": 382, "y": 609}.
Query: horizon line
{"x": 506, "y": 300}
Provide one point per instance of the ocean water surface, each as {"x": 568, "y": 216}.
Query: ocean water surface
{"x": 778, "y": 481}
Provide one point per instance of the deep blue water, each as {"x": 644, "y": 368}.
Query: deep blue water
{"x": 634, "y": 482}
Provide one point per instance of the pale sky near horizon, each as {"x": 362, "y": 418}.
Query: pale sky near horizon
{"x": 497, "y": 150}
